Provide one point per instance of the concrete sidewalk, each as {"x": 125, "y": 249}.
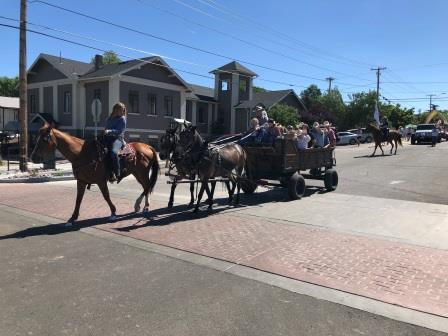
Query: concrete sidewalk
{"x": 268, "y": 238}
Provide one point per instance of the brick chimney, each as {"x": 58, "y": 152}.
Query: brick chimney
{"x": 98, "y": 62}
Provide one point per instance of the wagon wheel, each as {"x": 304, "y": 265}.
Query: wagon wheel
{"x": 248, "y": 186}
{"x": 331, "y": 179}
{"x": 296, "y": 186}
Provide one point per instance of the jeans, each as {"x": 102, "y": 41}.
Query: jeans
{"x": 115, "y": 146}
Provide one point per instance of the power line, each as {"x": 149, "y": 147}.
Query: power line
{"x": 243, "y": 40}
{"x": 245, "y": 19}
{"x": 175, "y": 42}
{"x": 140, "y": 59}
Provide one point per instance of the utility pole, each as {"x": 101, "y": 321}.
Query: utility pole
{"x": 23, "y": 112}
{"x": 430, "y": 101}
{"x": 329, "y": 79}
{"x": 378, "y": 74}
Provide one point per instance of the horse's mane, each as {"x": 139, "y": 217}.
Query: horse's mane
{"x": 68, "y": 136}
{"x": 374, "y": 126}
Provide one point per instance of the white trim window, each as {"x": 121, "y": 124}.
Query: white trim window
{"x": 134, "y": 102}
{"x": 33, "y": 105}
{"x": 168, "y": 106}
{"x": 152, "y": 104}
{"x": 67, "y": 102}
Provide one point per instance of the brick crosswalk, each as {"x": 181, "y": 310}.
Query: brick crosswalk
{"x": 402, "y": 274}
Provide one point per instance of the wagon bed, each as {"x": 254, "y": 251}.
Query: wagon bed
{"x": 284, "y": 162}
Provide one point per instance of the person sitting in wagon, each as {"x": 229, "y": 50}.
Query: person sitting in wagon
{"x": 303, "y": 139}
{"x": 252, "y": 133}
{"x": 318, "y": 136}
{"x": 272, "y": 132}
{"x": 262, "y": 116}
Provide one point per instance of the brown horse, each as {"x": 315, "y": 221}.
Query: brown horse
{"x": 88, "y": 163}
{"x": 392, "y": 137}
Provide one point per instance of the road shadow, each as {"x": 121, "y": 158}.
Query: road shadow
{"x": 372, "y": 157}
{"x": 59, "y": 228}
{"x": 166, "y": 216}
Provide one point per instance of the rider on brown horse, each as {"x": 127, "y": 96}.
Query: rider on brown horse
{"x": 384, "y": 127}
{"x": 114, "y": 131}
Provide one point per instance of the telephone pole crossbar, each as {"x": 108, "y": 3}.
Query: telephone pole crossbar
{"x": 378, "y": 74}
{"x": 329, "y": 79}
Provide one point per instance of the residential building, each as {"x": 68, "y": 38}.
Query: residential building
{"x": 152, "y": 91}
{"x": 9, "y": 111}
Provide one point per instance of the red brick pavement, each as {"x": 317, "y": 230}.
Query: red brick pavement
{"x": 402, "y": 274}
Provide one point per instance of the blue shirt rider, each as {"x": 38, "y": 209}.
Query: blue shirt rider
{"x": 114, "y": 131}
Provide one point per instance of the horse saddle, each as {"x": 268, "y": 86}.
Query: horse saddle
{"x": 127, "y": 152}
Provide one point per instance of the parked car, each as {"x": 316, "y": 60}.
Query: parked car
{"x": 365, "y": 136}
{"x": 423, "y": 133}
{"x": 346, "y": 138}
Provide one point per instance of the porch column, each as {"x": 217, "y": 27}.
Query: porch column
{"x": 82, "y": 108}
{"x": 183, "y": 105}
{"x": 55, "y": 103}
{"x": 41, "y": 99}
{"x": 234, "y": 101}
{"x": 193, "y": 112}
{"x": 114, "y": 92}
{"x": 74, "y": 107}
{"x": 209, "y": 118}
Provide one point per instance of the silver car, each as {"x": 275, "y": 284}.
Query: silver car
{"x": 346, "y": 138}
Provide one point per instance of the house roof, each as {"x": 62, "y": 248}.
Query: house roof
{"x": 235, "y": 67}
{"x": 10, "y": 102}
{"x": 70, "y": 68}
{"x": 201, "y": 92}
{"x": 267, "y": 99}
{"x": 111, "y": 69}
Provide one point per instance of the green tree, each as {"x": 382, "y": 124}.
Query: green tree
{"x": 109, "y": 57}
{"x": 397, "y": 115}
{"x": 9, "y": 87}
{"x": 310, "y": 95}
{"x": 258, "y": 89}
{"x": 360, "y": 110}
{"x": 333, "y": 103}
{"x": 284, "y": 114}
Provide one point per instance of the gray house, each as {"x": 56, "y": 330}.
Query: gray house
{"x": 153, "y": 92}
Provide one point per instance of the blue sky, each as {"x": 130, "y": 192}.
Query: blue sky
{"x": 318, "y": 39}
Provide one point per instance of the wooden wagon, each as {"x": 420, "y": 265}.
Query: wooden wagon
{"x": 284, "y": 163}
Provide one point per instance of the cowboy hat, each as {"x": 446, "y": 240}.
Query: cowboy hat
{"x": 316, "y": 124}
{"x": 327, "y": 124}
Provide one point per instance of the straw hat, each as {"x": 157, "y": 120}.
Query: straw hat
{"x": 327, "y": 124}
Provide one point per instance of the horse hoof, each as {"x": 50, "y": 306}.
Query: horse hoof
{"x": 170, "y": 205}
{"x": 145, "y": 210}
{"x": 69, "y": 224}
{"x": 113, "y": 218}
{"x": 136, "y": 208}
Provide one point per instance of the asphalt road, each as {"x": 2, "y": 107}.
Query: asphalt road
{"x": 73, "y": 283}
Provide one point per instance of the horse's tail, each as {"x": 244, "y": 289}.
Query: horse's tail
{"x": 154, "y": 171}
{"x": 399, "y": 141}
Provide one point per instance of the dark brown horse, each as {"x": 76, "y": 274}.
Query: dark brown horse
{"x": 213, "y": 161}
{"x": 392, "y": 137}
{"x": 89, "y": 167}
{"x": 171, "y": 150}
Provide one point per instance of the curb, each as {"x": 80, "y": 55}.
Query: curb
{"x": 38, "y": 179}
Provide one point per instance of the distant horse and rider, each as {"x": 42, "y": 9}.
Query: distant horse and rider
{"x": 90, "y": 159}
{"x": 383, "y": 134}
